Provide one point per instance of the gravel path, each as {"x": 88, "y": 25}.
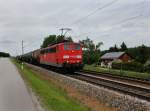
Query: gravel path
{"x": 14, "y": 96}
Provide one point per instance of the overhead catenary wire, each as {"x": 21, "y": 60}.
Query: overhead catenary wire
{"x": 131, "y": 18}
{"x": 105, "y": 6}
{"x": 121, "y": 22}
{"x": 93, "y": 12}
{"x": 128, "y": 19}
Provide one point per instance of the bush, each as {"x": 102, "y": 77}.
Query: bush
{"x": 132, "y": 66}
{"x": 91, "y": 57}
{"x": 147, "y": 66}
{"x": 2, "y": 54}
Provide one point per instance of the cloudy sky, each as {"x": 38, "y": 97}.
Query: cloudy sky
{"x": 109, "y": 21}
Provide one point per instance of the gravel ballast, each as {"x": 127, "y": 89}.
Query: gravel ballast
{"x": 111, "y": 98}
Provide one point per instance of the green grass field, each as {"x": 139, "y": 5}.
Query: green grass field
{"x": 53, "y": 98}
{"x": 145, "y": 76}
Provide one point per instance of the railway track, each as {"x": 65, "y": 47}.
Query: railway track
{"x": 136, "y": 88}
{"x": 145, "y": 83}
{"x": 138, "y": 91}
{"x": 117, "y": 76}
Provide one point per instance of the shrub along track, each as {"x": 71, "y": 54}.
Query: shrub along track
{"x": 136, "y": 88}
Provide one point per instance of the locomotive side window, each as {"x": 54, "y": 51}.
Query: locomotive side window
{"x": 42, "y": 52}
{"x": 52, "y": 50}
{"x": 46, "y": 51}
{"x": 77, "y": 47}
{"x": 49, "y": 50}
{"x": 66, "y": 46}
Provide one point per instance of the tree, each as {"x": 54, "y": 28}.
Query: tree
{"x": 91, "y": 53}
{"x": 69, "y": 39}
{"x": 87, "y": 44}
{"x": 123, "y": 47}
{"x": 142, "y": 57}
{"x": 140, "y": 54}
{"x": 53, "y": 39}
{"x": 114, "y": 49}
{"x": 3, "y": 54}
{"x": 99, "y": 45}
{"x": 60, "y": 38}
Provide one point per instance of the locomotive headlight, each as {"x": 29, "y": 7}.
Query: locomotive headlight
{"x": 78, "y": 56}
{"x": 66, "y": 57}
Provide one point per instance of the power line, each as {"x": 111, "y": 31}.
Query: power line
{"x": 121, "y": 22}
{"x": 96, "y": 10}
{"x": 132, "y": 18}
{"x": 128, "y": 19}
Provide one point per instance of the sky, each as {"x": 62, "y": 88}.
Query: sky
{"x": 107, "y": 21}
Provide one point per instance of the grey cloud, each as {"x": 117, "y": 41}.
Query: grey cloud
{"x": 32, "y": 20}
{"x": 7, "y": 42}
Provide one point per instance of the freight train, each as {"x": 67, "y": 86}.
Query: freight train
{"x": 65, "y": 55}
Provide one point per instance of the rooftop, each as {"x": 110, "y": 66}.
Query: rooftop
{"x": 112, "y": 55}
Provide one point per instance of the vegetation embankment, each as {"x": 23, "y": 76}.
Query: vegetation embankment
{"x": 52, "y": 97}
{"x": 131, "y": 74}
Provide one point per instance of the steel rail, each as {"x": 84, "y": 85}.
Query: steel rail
{"x": 117, "y": 76}
{"x": 133, "y": 90}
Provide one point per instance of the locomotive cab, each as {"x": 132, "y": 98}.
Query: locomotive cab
{"x": 66, "y": 55}
{"x": 72, "y": 56}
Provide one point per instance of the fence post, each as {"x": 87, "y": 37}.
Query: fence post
{"x": 22, "y": 67}
{"x": 121, "y": 69}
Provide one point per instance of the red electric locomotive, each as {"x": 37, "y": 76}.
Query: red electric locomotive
{"x": 66, "y": 55}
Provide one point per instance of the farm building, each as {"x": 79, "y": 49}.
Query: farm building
{"x": 108, "y": 58}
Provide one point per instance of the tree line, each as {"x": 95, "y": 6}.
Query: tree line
{"x": 53, "y": 39}
{"x": 140, "y": 53}
{"x": 3, "y": 54}
{"x": 92, "y": 52}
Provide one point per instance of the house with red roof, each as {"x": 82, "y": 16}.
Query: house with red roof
{"x": 108, "y": 58}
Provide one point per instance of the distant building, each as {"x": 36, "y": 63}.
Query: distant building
{"x": 108, "y": 58}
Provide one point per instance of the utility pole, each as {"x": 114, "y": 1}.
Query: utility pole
{"x": 22, "y": 54}
{"x": 22, "y": 47}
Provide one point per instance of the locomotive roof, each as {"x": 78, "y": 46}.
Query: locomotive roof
{"x": 29, "y": 53}
{"x": 53, "y": 45}
{"x": 60, "y": 43}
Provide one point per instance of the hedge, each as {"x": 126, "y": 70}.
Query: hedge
{"x": 132, "y": 66}
{"x": 147, "y": 66}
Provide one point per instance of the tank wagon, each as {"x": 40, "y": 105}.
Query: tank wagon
{"x": 66, "y": 55}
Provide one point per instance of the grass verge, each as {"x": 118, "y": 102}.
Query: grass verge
{"x": 131, "y": 74}
{"x": 53, "y": 98}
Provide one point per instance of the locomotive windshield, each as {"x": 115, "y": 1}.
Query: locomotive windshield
{"x": 72, "y": 46}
